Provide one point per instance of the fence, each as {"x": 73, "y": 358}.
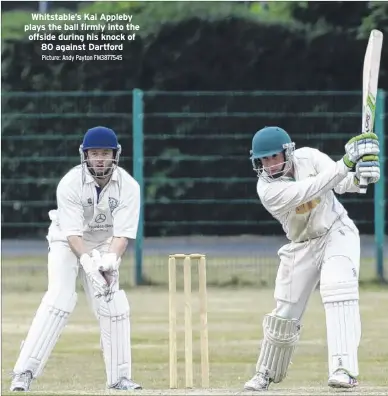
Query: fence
{"x": 190, "y": 153}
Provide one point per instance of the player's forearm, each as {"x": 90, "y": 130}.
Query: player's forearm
{"x": 76, "y": 244}
{"x": 311, "y": 188}
{"x": 281, "y": 199}
{"x": 347, "y": 185}
{"x": 118, "y": 246}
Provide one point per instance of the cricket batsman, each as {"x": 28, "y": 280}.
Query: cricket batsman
{"x": 296, "y": 188}
{"x": 97, "y": 217}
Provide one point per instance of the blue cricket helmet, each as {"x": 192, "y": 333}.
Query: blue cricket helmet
{"x": 100, "y": 138}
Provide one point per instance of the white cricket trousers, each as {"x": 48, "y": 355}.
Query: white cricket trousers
{"x": 334, "y": 261}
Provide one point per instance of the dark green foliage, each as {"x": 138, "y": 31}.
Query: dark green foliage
{"x": 204, "y": 48}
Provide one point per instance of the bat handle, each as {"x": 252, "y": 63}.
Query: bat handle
{"x": 363, "y": 185}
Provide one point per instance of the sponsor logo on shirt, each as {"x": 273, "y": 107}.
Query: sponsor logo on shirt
{"x": 100, "y": 218}
{"x": 100, "y": 226}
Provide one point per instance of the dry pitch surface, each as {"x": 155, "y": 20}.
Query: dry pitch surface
{"x": 235, "y": 317}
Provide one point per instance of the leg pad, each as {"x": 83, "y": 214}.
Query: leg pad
{"x": 280, "y": 338}
{"x": 115, "y": 337}
{"x": 47, "y": 326}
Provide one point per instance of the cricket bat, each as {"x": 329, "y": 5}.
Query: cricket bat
{"x": 369, "y": 87}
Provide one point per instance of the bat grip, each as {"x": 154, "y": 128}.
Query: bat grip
{"x": 363, "y": 185}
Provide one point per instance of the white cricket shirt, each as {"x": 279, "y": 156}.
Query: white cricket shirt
{"x": 96, "y": 217}
{"x": 306, "y": 206}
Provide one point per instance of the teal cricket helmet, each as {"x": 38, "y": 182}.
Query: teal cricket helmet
{"x": 270, "y": 141}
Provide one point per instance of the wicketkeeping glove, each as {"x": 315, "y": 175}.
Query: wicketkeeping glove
{"x": 106, "y": 262}
{"x": 107, "y": 265}
{"x": 100, "y": 285}
{"x": 112, "y": 278}
{"x": 360, "y": 146}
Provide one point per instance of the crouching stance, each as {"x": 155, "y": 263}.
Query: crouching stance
{"x": 98, "y": 211}
{"x": 296, "y": 187}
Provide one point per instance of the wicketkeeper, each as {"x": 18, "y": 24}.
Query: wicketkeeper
{"x": 97, "y": 216}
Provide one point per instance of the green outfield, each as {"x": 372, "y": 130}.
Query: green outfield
{"x": 234, "y": 331}
{"x": 234, "y": 314}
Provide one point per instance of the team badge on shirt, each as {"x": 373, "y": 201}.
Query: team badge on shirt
{"x": 113, "y": 204}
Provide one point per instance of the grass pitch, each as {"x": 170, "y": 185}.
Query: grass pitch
{"x": 235, "y": 318}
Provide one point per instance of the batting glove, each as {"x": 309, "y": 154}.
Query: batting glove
{"x": 367, "y": 167}
{"x": 362, "y": 145}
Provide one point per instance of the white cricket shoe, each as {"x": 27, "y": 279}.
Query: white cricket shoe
{"x": 342, "y": 379}
{"x": 21, "y": 382}
{"x": 259, "y": 382}
{"x": 125, "y": 384}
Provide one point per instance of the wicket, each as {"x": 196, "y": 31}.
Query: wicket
{"x": 188, "y": 319}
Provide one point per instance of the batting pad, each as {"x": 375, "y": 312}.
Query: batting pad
{"x": 343, "y": 335}
{"x": 115, "y": 337}
{"x": 46, "y": 328}
{"x": 280, "y": 338}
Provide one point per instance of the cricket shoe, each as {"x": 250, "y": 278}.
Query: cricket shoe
{"x": 259, "y": 382}
{"x": 21, "y": 382}
{"x": 125, "y": 384}
{"x": 342, "y": 379}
